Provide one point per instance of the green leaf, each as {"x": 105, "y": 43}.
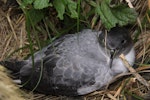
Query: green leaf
{"x": 35, "y": 16}
{"x": 125, "y": 15}
{"x": 61, "y": 5}
{"x": 28, "y": 1}
{"x": 40, "y": 4}
{"x": 60, "y": 8}
{"x": 118, "y": 14}
{"x": 72, "y": 6}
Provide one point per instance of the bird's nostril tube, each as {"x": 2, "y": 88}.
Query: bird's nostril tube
{"x": 112, "y": 50}
{"x": 112, "y": 53}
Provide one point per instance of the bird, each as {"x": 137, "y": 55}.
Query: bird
{"x": 76, "y": 64}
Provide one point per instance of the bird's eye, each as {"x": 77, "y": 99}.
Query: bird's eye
{"x": 123, "y": 41}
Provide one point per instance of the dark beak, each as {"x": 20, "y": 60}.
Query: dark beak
{"x": 112, "y": 54}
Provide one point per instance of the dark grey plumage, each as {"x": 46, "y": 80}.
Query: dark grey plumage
{"x": 78, "y": 64}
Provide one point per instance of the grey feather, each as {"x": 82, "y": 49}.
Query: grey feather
{"x": 78, "y": 64}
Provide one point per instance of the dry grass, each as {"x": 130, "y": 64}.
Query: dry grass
{"x": 9, "y": 91}
{"x": 13, "y": 36}
{"x": 12, "y": 33}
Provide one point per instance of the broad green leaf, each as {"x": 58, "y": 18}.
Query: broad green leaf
{"x": 124, "y": 15}
{"x": 118, "y": 14}
{"x": 60, "y": 8}
{"x": 40, "y": 4}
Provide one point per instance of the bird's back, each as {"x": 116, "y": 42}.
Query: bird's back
{"x": 68, "y": 63}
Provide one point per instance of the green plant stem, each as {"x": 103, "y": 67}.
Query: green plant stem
{"x": 78, "y": 18}
{"x": 29, "y": 25}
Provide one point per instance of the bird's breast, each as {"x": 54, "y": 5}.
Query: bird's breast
{"x": 118, "y": 65}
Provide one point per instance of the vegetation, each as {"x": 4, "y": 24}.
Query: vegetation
{"x": 72, "y": 16}
{"x": 110, "y": 14}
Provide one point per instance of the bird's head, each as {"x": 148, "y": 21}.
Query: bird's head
{"x": 117, "y": 40}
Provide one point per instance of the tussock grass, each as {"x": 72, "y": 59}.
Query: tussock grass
{"x": 9, "y": 90}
